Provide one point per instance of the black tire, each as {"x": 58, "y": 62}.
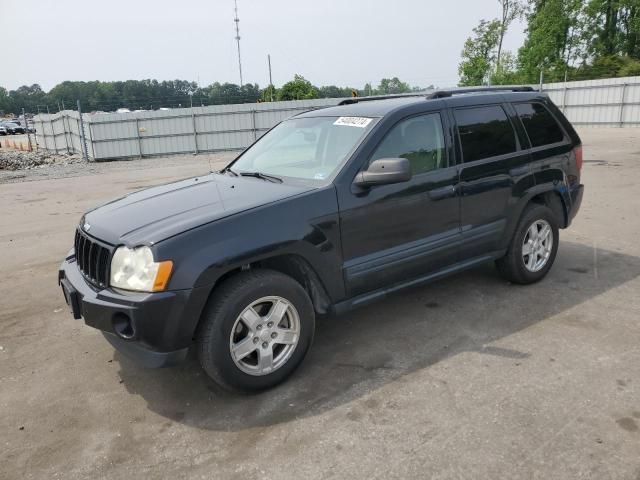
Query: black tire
{"x": 228, "y": 301}
{"x": 512, "y": 266}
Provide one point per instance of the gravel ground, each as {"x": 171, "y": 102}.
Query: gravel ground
{"x": 17, "y": 160}
{"x": 467, "y": 378}
{"x": 44, "y": 166}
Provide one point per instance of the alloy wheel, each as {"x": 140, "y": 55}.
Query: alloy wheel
{"x": 537, "y": 245}
{"x": 265, "y": 335}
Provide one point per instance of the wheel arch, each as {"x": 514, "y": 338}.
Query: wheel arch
{"x": 552, "y": 199}
{"x": 547, "y": 195}
{"x": 292, "y": 265}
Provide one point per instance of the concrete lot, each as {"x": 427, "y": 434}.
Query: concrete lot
{"x": 468, "y": 378}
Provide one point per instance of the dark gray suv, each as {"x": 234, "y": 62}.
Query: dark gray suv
{"x": 329, "y": 210}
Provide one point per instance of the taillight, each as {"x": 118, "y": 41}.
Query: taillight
{"x": 578, "y": 153}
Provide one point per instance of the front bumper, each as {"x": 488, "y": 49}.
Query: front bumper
{"x": 161, "y": 325}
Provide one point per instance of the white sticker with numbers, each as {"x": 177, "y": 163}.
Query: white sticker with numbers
{"x": 360, "y": 122}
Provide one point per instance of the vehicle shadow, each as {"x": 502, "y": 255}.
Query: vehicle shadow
{"x": 357, "y": 353}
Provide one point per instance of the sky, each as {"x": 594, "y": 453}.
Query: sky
{"x": 329, "y": 42}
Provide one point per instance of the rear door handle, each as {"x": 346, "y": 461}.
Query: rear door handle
{"x": 442, "y": 193}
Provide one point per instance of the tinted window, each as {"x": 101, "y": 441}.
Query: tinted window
{"x": 418, "y": 139}
{"x": 484, "y": 132}
{"x": 539, "y": 124}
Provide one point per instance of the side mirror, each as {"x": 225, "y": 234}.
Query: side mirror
{"x": 384, "y": 171}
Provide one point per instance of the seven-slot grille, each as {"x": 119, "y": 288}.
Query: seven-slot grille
{"x": 92, "y": 258}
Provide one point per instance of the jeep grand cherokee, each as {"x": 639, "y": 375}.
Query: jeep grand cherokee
{"x": 329, "y": 210}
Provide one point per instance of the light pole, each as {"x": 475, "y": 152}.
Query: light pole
{"x": 237, "y": 20}
{"x": 270, "y": 80}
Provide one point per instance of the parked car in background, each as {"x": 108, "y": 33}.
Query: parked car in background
{"x": 9, "y": 127}
{"x": 19, "y": 128}
{"x": 12, "y": 127}
{"x": 3, "y": 131}
{"x": 330, "y": 210}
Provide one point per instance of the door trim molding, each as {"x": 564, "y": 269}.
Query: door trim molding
{"x": 408, "y": 251}
{"x": 369, "y": 297}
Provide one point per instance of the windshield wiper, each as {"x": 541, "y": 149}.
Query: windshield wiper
{"x": 228, "y": 169}
{"x": 263, "y": 176}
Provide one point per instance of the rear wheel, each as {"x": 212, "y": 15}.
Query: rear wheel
{"x": 255, "y": 331}
{"x": 533, "y": 247}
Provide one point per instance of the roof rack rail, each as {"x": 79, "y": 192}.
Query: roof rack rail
{"x": 462, "y": 90}
{"x": 441, "y": 93}
{"x": 349, "y": 101}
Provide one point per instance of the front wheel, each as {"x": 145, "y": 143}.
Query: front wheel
{"x": 255, "y": 331}
{"x": 533, "y": 247}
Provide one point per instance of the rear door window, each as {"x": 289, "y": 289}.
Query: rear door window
{"x": 484, "y": 132}
{"x": 540, "y": 125}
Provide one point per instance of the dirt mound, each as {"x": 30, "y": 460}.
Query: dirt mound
{"x": 16, "y": 160}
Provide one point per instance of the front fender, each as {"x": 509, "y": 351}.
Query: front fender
{"x": 306, "y": 226}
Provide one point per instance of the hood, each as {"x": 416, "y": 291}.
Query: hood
{"x": 152, "y": 215}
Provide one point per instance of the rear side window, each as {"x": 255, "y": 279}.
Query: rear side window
{"x": 418, "y": 139}
{"x": 540, "y": 125}
{"x": 484, "y": 132}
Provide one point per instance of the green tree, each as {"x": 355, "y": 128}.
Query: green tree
{"x": 479, "y": 53}
{"x": 329, "y": 91}
{"x": 5, "y": 101}
{"x": 366, "y": 91}
{"x": 511, "y": 10}
{"x": 224, "y": 93}
{"x": 631, "y": 68}
{"x": 630, "y": 21}
{"x": 606, "y": 67}
{"x": 269, "y": 94}
{"x": 297, "y": 89}
{"x": 615, "y": 27}
{"x": 555, "y": 39}
{"x": 506, "y": 72}
{"x": 392, "y": 86}
{"x": 28, "y": 97}
{"x": 250, "y": 93}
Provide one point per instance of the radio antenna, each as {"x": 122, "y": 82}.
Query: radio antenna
{"x": 237, "y": 20}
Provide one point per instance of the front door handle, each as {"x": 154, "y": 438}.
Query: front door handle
{"x": 517, "y": 171}
{"x": 442, "y": 193}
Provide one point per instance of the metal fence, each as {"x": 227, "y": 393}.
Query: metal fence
{"x": 60, "y": 132}
{"x": 608, "y": 102}
{"x": 165, "y": 132}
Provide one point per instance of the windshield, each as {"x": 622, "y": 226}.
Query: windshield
{"x": 307, "y": 148}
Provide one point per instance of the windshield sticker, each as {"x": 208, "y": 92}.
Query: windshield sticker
{"x": 360, "y": 122}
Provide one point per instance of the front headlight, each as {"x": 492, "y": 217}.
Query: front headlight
{"x": 135, "y": 269}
